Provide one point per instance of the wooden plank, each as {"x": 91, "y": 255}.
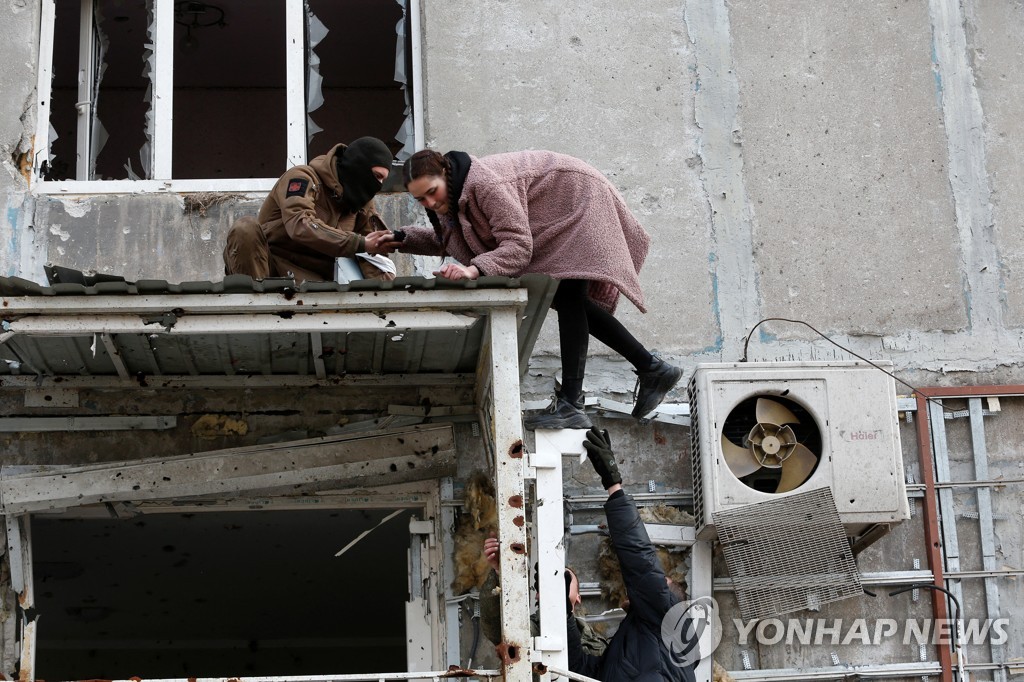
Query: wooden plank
{"x": 62, "y": 424}
{"x": 401, "y": 455}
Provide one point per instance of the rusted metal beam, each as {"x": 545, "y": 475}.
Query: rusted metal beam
{"x": 932, "y": 536}
{"x": 967, "y": 391}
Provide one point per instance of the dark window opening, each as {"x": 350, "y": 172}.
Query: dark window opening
{"x": 101, "y": 133}
{"x": 219, "y": 594}
{"x": 230, "y": 89}
{"x": 360, "y": 93}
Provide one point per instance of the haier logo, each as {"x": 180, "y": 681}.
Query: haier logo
{"x": 861, "y": 435}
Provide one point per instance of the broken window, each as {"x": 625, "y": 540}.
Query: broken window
{"x": 224, "y": 92}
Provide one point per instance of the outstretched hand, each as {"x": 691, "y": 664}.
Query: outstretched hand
{"x": 491, "y": 548}
{"x": 599, "y": 451}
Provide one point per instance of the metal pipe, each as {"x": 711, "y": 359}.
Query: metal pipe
{"x": 961, "y": 656}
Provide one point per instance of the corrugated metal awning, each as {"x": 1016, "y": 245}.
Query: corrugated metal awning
{"x": 102, "y": 330}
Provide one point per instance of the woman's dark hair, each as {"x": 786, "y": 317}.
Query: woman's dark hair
{"x": 425, "y": 162}
{"x": 429, "y": 162}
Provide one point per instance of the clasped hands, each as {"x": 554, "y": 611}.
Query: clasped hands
{"x": 383, "y": 243}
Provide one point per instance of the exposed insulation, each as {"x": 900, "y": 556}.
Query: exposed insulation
{"x": 201, "y": 202}
{"x": 720, "y": 674}
{"x": 478, "y": 520}
{"x": 663, "y": 513}
{"x": 211, "y": 426}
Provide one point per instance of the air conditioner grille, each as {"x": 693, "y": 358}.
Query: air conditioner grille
{"x": 788, "y": 554}
{"x": 695, "y": 459}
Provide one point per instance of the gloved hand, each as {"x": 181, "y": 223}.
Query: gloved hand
{"x": 599, "y": 451}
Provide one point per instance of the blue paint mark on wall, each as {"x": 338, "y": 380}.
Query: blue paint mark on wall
{"x": 13, "y": 243}
{"x": 717, "y": 346}
{"x": 936, "y": 74}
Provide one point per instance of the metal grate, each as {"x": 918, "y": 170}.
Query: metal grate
{"x": 695, "y": 463}
{"x": 788, "y": 554}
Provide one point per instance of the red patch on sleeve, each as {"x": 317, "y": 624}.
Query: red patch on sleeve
{"x": 297, "y": 187}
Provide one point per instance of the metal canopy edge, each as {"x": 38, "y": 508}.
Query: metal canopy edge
{"x": 99, "y": 330}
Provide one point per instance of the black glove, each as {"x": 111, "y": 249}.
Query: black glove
{"x": 599, "y": 451}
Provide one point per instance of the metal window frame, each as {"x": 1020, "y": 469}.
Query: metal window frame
{"x": 85, "y": 105}
{"x": 163, "y": 101}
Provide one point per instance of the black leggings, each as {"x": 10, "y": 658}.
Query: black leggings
{"x": 579, "y": 318}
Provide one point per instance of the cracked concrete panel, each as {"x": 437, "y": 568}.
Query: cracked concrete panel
{"x": 614, "y": 86}
{"x": 997, "y": 61}
{"x": 139, "y": 236}
{"x": 846, "y": 166}
{"x": 177, "y": 238}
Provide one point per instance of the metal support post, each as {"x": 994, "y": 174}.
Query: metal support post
{"x": 947, "y": 510}
{"x": 987, "y": 530}
{"x": 549, "y": 519}
{"x": 506, "y": 431}
{"x": 453, "y": 652}
{"x": 701, "y": 585}
{"x": 19, "y": 549}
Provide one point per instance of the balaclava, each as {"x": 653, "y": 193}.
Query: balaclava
{"x": 354, "y": 166}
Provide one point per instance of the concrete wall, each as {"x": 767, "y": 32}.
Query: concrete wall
{"x": 841, "y": 165}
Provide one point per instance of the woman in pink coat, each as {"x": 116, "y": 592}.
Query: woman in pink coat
{"x": 542, "y": 212}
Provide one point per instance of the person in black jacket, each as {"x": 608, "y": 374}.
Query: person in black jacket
{"x": 637, "y": 650}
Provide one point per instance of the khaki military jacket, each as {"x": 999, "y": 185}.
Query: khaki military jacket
{"x": 307, "y": 226}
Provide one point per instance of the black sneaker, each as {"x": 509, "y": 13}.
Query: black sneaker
{"x": 561, "y": 414}
{"x": 652, "y": 385}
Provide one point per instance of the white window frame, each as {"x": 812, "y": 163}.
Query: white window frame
{"x": 163, "y": 101}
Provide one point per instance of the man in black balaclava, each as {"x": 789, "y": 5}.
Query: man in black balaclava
{"x": 314, "y": 214}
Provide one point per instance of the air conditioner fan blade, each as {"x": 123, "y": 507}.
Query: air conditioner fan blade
{"x": 741, "y": 461}
{"x": 771, "y": 412}
{"x": 796, "y": 468}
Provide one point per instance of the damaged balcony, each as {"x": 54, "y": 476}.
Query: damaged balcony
{"x": 214, "y": 479}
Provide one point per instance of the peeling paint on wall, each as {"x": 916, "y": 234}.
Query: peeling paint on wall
{"x": 968, "y": 173}
{"x": 716, "y": 108}
{"x": 23, "y": 255}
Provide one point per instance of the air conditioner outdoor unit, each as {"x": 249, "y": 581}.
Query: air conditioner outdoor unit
{"x": 763, "y": 431}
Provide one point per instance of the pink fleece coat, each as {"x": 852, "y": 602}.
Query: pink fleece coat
{"x": 548, "y": 213}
